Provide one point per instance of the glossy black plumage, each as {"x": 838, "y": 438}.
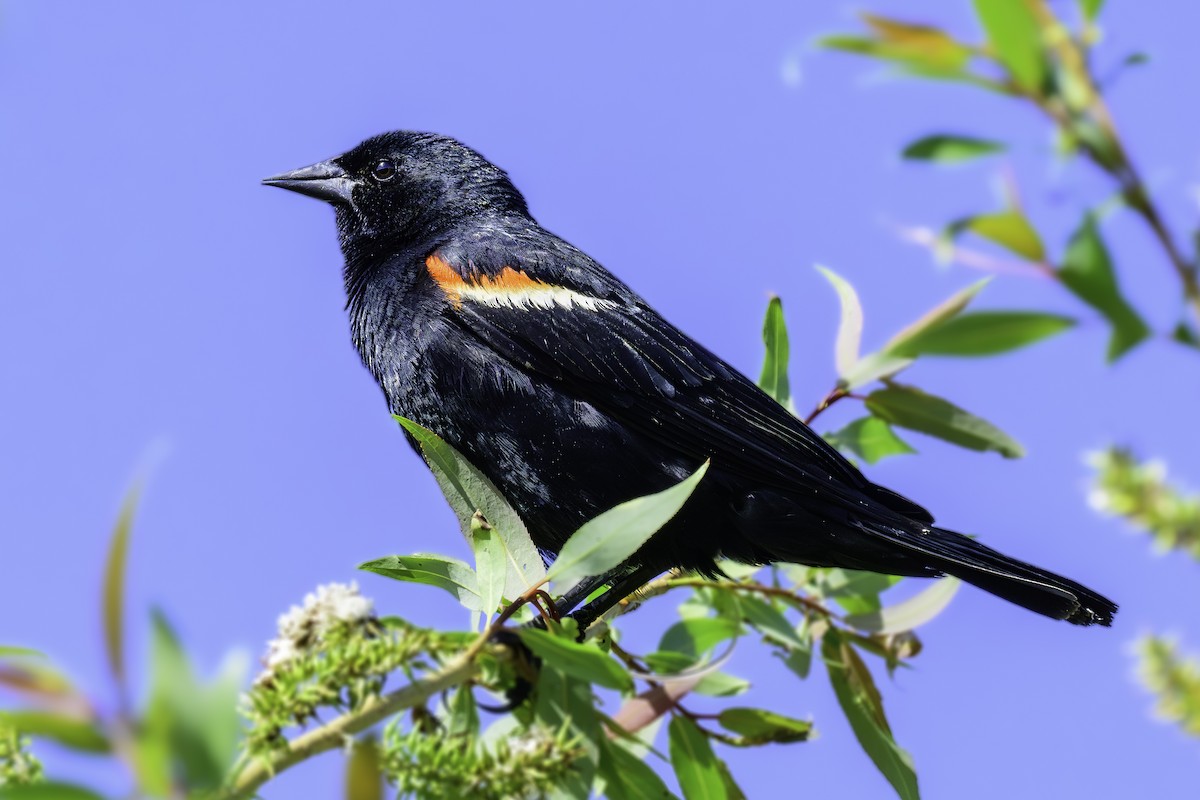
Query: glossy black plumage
{"x": 573, "y": 395}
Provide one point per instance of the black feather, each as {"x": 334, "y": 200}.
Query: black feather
{"x": 572, "y": 395}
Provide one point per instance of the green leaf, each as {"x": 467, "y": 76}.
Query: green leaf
{"x": 196, "y": 727}
{"x": 669, "y": 662}
{"x": 757, "y": 726}
{"x": 1099, "y": 141}
{"x": 952, "y": 306}
{"x": 113, "y": 592}
{"x": 152, "y": 752}
{"x": 48, "y": 790}
{"x": 34, "y": 678}
{"x": 849, "y": 335}
{"x": 721, "y": 684}
{"x": 627, "y": 776}
{"x": 870, "y": 438}
{"x": 1010, "y": 229}
{"x": 566, "y": 704}
{"x": 695, "y": 763}
{"x": 1091, "y": 9}
{"x": 861, "y": 703}
{"x": 490, "y": 563}
{"x": 736, "y": 569}
{"x": 910, "y": 613}
{"x": 582, "y": 660}
{"x": 855, "y": 590}
{"x": 468, "y": 490}
{"x": 698, "y": 635}
{"x": 770, "y": 622}
{"x": 447, "y": 573}
{"x": 950, "y": 149}
{"x": 774, "y": 377}
{"x": 364, "y": 770}
{"x": 919, "y": 48}
{"x": 1185, "y": 334}
{"x": 69, "y": 731}
{"x": 985, "y": 333}
{"x": 874, "y": 367}
{"x": 1016, "y": 36}
{"x": 732, "y": 790}
{"x": 911, "y": 408}
{"x": 799, "y": 662}
{"x": 12, "y": 651}
{"x": 603, "y": 543}
{"x": 462, "y": 714}
{"x": 1087, "y": 270}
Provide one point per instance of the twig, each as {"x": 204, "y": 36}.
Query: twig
{"x": 630, "y": 659}
{"x": 836, "y": 394}
{"x": 709, "y": 732}
{"x": 758, "y": 588}
{"x": 513, "y": 607}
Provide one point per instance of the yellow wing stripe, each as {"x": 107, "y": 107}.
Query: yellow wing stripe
{"x": 510, "y": 288}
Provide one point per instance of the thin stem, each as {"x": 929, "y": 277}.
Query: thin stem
{"x": 630, "y": 659}
{"x": 836, "y": 394}
{"x": 758, "y": 588}
{"x": 709, "y": 732}
{"x": 513, "y": 607}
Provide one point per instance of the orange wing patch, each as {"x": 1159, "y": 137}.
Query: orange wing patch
{"x": 511, "y": 288}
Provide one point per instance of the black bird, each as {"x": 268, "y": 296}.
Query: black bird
{"x": 573, "y": 395}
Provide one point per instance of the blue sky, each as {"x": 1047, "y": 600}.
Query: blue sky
{"x": 155, "y": 298}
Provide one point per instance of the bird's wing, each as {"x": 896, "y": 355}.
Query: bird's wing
{"x": 612, "y": 350}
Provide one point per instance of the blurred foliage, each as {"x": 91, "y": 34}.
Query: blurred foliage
{"x": 1030, "y": 55}
{"x": 1174, "y": 679}
{"x": 1139, "y": 492}
{"x": 18, "y": 767}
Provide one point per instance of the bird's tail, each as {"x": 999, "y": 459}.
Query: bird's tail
{"x": 1017, "y": 582}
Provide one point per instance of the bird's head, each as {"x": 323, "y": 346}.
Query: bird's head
{"x": 404, "y": 187}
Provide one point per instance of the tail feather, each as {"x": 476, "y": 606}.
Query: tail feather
{"x": 1024, "y": 584}
{"x": 1015, "y": 581}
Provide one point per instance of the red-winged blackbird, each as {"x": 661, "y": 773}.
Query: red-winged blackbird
{"x": 572, "y": 394}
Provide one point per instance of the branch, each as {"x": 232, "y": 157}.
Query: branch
{"x": 333, "y": 734}
{"x": 758, "y": 588}
{"x": 1117, "y": 163}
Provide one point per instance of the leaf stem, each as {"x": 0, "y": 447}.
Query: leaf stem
{"x": 837, "y": 393}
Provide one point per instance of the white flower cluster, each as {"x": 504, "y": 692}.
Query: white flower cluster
{"x": 302, "y": 627}
{"x": 529, "y": 741}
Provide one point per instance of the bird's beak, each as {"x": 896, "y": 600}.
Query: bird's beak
{"x": 324, "y": 181}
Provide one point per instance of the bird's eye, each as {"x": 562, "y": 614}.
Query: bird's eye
{"x": 384, "y": 170}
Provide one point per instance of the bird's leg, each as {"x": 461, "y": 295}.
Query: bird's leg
{"x": 523, "y": 687}
{"x": 621, "y": 588}
{"x": 578, "y": 593}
